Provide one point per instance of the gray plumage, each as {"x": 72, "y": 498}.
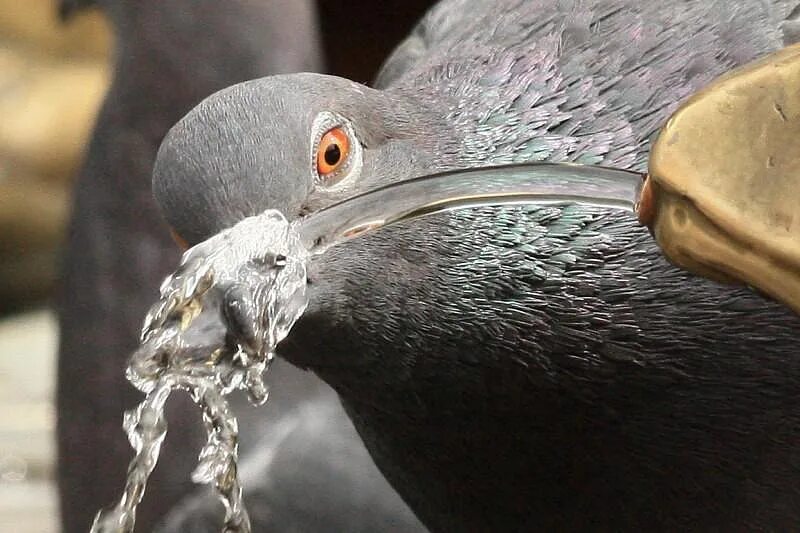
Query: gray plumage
{"x": 522, "y": 368}
{"x": 304, "y": 474}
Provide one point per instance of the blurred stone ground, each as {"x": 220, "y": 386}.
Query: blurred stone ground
{"x": 28, "y": 499}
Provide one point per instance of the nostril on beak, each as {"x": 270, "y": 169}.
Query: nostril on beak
{"x": 180, "y": 241}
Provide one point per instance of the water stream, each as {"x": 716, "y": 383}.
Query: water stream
{"x": 234, "y": 297}
{"x": 531, "y": 183}
{"x": 213, "y": 330}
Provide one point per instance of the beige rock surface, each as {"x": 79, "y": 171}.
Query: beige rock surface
{"x": 28, "y": 498}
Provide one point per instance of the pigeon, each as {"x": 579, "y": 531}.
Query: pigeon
{"x": 170, "y": 55}
{"x": 525, "y": 368}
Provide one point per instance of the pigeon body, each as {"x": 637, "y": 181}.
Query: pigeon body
{"x": 307, "y": 472}
{"x": 521, "y": 368}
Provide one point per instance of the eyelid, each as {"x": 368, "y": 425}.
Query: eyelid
{"x": 351, "y": 167}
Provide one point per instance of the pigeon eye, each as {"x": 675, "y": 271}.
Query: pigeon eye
{"x": 332, "y": 152}
{"x": 336, "y": 153}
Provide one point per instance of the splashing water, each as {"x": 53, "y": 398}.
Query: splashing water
{"x": 529, "y": 183}
{"x": 214, "y": 330}
{"x": 235, "y": 296}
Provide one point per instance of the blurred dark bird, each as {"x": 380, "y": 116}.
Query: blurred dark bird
{"x": 169, "y": 55}
{"x": 520, "y": 368}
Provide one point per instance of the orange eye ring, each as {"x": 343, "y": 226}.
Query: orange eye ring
{"x": 332, "y": 151}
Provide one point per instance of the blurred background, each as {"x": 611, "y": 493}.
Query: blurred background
{"x": 52, "y": 81}
{"x": 54, "y": 75}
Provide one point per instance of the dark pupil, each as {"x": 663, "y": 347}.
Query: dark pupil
{"x": 332, "y": 154}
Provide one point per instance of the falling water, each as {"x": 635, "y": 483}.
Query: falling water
{"x": 531, "y": 183}
{"x": 214, "y": 330}
{"x": 235, "y": 296}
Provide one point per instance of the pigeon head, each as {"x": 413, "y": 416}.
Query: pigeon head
{"x": 293, "y": 143}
